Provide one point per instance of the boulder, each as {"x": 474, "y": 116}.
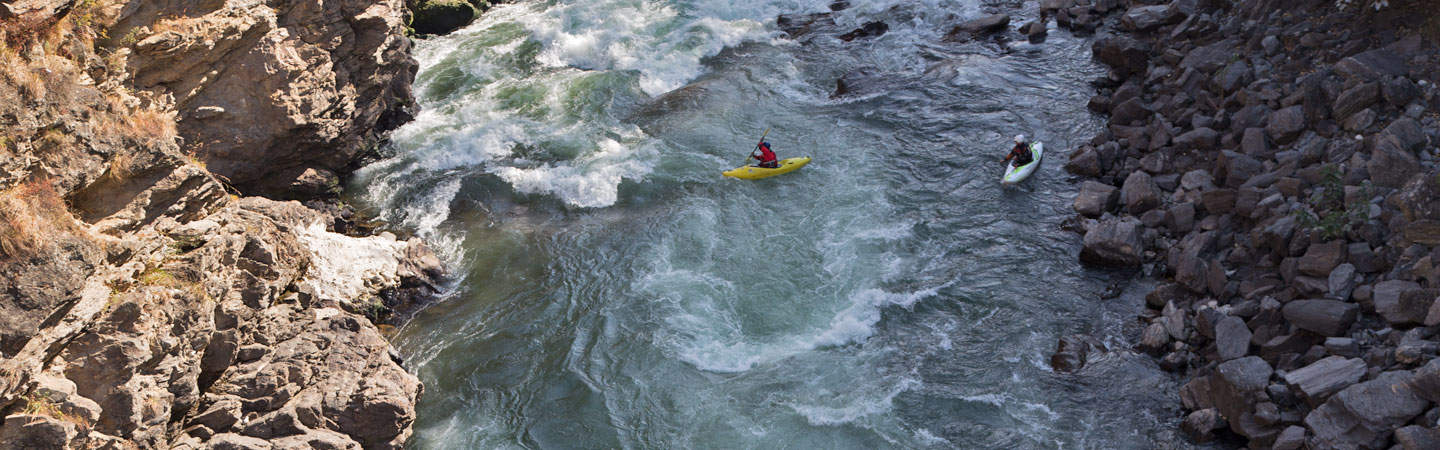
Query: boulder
{"x": 1144, "y": 18}
{"x": 1406, "y": 134}
{"x": 1355, "y": 99}
{"x": 1341, "y": 282}
{"x": 1154, "y": 339}
{"x": 1200, "y": 426}
{"x": 1218, "y": 201}
{"x": 1253, "y": 143}
{"x": 984, "y": 25}
{"x": 1209, "y": 58}
{"x": 1084, "y": 162}
{"x": 25, "y": 431}
{"x": 1415, "y": 437}
{"x": 1293, "y": 437}
{"x": 1129, "y": 111}
{"x": 1321, "y": 258}
{"x": 1139, "y": 193}
{"x": 859, "y": 82}
{"x": 1365, "y": 414}
{"x": 1316, "y": 382}
{"x": 442, "y": 16}
{"x": 1237, "y": 383}
{"x": 1324, "y": 317}
{"x": 1426, "y": 381}
{"x": 1095, "y": 198}
{"x": 1232, "y": 338}
{"x": 1123, "y": 53}
{"x": 1035, "y": 31}
{"x": 798, "y": 25}
{"x": 1114, "y": 242}
{"x": 1071, "y": 352}
{"x": 1402, "y": 302}
{"x": 1372, "y": 65}
{"x": 868, "y": 30}
{"x": 1286, "y": 124}
{"x": 1197, "y": 139}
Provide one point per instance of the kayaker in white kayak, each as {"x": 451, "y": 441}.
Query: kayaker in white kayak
{"x": 765, "y": 156}
{"x": 1021, "y": 152}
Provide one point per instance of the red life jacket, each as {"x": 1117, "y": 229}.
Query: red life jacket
{"x": 765, "y": 154}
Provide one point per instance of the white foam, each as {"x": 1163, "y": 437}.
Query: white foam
{"x": 860, "y": 406}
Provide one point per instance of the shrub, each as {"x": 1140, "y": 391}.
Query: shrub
{"x": 1327, "y": 214}
{"x": 31, "y": 215}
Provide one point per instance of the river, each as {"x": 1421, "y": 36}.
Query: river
{"x": 614, "y": 291}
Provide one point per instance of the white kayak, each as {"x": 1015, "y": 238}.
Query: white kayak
{"x": 1017, "y": 174}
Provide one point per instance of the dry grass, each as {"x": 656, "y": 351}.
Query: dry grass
{"x": 39, "y": 405}
{"x": 177, "y": 24}
{"x": 31, "y": 215}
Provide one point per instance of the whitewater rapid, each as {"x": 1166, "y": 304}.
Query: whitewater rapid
{"x": 614, "y": 291}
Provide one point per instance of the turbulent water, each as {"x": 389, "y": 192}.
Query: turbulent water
{"x": 617, "y": 292}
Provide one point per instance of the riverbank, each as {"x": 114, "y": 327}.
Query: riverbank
{"x": 165, "y": 286}
{"x": 1273, "y": 165}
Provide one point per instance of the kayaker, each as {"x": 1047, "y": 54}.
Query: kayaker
{"x": 1021, "y": 152}
{"x": 765, "y": 156}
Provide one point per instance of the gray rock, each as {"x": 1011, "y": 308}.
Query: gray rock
{"x": 1232, "y": 338}
{"x": 1084, "y": 162}
{"x": 1248, "y": 374}
{"x": 1123, "y": 53}
{"x": 1270, "y": 44}
{"x": 1364, "y": 414}
{"x": 1198, "y": 139}
{"x": 1355, "y": 99}
{"x": 1316, "y": 382}
{"x": 1200, "y": 426}
{"x": 1143, "y": 18}
{"x": 1426, "y": 381}
{"x": 1364, "y": 259}
{"x": 1154, "y": 339}
{"x": 1292, "y": 438}
{"x": 1402, "y": 302}
{"x": 1114, "y": 242}
{"x": 1390, "y": 165}
{"x": 1342, "y": 346}
{"x": 1139, "y": 193}
{"x": 1415, "y": 437}
{"x": 1286, "y": 124}
{"x": 231, "y": 441}
{"x": 1130, "y": 111}
{"x": 1341, "y": 282}
{"x": 1372, "y": 65}
{"x": 1209, "y": 58}
{"x": 1181, "y": 217}
{"x": 1095, "y": 198}
{"x": 984, "y": 25}
{"x": 1406, "y": 134}
{"x": 1253, "y": 143}
{"x": 1360, "y": 121}
{"x": 24, "y": 431}
{"x": 1325, "y": 317}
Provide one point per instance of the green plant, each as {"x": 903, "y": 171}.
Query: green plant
{"x": 1328, "y": 214}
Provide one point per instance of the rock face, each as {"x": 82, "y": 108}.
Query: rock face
{"x": 1279, "y": 171}
{"x": 146, "y": 306}
{"x": 291, "y": 94}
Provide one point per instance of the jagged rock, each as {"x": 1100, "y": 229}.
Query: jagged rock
{"x": 1406, "y": 134}
{"x": 1209, "y": 58}
{"x": 1390, "y": 165}
{"x": 1085, "y": 162}
{"x": 858, "y": 82}
{"x": 1139, "y": 193}
{"x": 1180, "y": 217}
{"x": 1364, "y": 259}
{"x": 1372, "y": 65}
{"x": 1317, "y": 381}
{"x": 294, "y": 93}
{"x": 1325, "y": 317}
{"x": 984, "y": 25}
{"x": 1218, "y": 201}
{"x": 1072, "y": 352}
{"x": 1364, "y": 414}
{"x": 1114, "y": 242}
{"x": 1426, "y": 381}
{"x": 1122, "y": 53}
{"x": 1286, "y": 124}
{"x": 24, "y": 431}
{"x": 1198, "y": 139}
{"x": 1232, "y": 338}
{"x": 798, "y": 25}
{"x": 1201, "y": 425}
{"x": 1341, "y": 282}
{"x": 1253, "y": 143}
{"x": 231, "y": 441}
{"x": 1095, "y": 198}
{"x": 442, "y": 16}
{"x": 1130, "y": 111}
{"x": 1321, "y": 258}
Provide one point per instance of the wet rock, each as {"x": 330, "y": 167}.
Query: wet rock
{"x": 858, "y": 82}
{"x": 441, "y": 16}
{"x": 1325, "y": 317}
{"x": 1139, "y": 193}
{"x": 1114, "y": 242}
{"x": 868, "y": 30}
{"x": 1286, "y": 124}
{"x": 1364, "y": 414}
{"x": 1316, "y": 382}
{"x": 798, "y": 25}
{"x": 984, "y": 25}
{"x": 1122, "y": 53}
{"x": 1072, "y": 352}
{"x": 1232, "y": 338}
{"x": 1095, "y": 198}
{"x": 1200, "y": 426}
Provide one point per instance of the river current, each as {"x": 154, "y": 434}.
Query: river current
{"x": 614, "y": 291}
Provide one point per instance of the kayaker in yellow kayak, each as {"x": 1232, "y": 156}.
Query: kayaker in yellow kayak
{"x": 766, "y": 157}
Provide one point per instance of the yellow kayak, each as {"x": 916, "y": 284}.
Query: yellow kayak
{"x": 754, "y": 173}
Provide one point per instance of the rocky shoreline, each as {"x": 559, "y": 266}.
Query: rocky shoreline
{"x": 162, "y": 286}
{"x": 1273, "y": 165}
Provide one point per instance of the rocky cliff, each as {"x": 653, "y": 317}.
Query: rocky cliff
{"x": 145, "y": 301}
{"x": 1273, "y": 164}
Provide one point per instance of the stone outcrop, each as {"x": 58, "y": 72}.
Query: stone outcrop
{"x": 278, "y": 98}
{"x": 1280, "y": 172}
{"x": 149, "y": 306}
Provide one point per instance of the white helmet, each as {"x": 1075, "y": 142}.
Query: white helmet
{"x": 1019, "y": 139}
